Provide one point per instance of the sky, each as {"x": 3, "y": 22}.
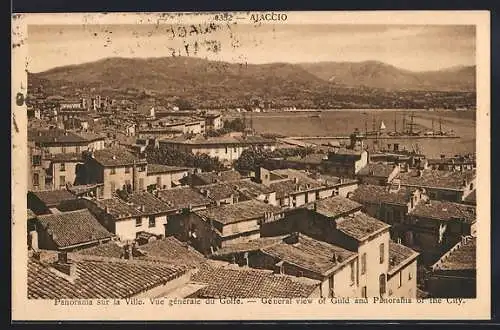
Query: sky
{"x": 411, "y": 47}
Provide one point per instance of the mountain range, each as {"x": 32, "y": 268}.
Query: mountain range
{"x": 201, "y": 78}
{"x": 381, "y": 75}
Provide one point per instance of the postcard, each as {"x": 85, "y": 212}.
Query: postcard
{"x": 251, "y": 166}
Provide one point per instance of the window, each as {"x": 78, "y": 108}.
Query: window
{"x": 152, "y": 222}
{"x": 158, "y": 182}
{"x": 410, "y": 276}
{"x": 36, "y": 160}
{"x": 226, "y": 150}
{"x": 62, "y": 167}
{"x": 141, "y": 184}
{"x": 127, "y": 169}
{"x": 138, "y": 222}
{"x": 352, "y": 273}
{"x": 400, "y": 280}
{"x": 382, "y": 284}
{"x": 382, "y": 253}
{"x": 63, "y": 150}
{"x": 363, "y": 263}
{"x": 112, "y": 186}
{"x": 363, "y": 292}
{"x": 234, "y": 149}
{"x": 36, "y": 179}
{"x": 62, "y": 181}
{"x": 113, "y": 170}
{"x": 331, "y": 286}
{"x": 471, "y": 186}
{"x": 78, "y": 150}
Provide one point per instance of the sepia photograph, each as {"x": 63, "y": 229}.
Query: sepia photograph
{"x": 261, "y": 160}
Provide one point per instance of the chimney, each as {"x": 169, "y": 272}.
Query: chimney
{"x": 64, "y": 266}
{"x": 143, "y": 208}
{"x": 128, "y": 251}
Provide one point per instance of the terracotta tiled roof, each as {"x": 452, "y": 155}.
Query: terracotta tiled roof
{"x": 236, "y": 283}
{"x": 53, "y": 136}
{"x": 222, "y": 176}
{"x": 399, "y": 255}
{"x": 116, "y": 157}
{"x": 289, "y": 187}
{"x": 159, "y": 168}
{"x": 461, "y": 257}
{"x": 73, "y": 228}
{"x": 252, "y": 245}
{"x": 217, "y": 191}
{"x": 437, "y": 179}
{"x": 182, "y": 197}
{"x": 446, "y": 211}
{"x": 168, "y": 250}
{"x": 53, "y": 197}
{"x": 360, "y": 225}
{"x": 231, "y": 213}
{"x": 250, "y": 188}
{"x": 377, "y": 169}
{"x": 302, "y": 176}
{"x": 150, "y": 203}
{"x": 335, "y": 206}
{"x": 105, "y": 278}
{"x": 118, "y": 208}
{"x": 65, "y": 157}
{"x": 310, "y": 254}
{"x": 373, "y": 194}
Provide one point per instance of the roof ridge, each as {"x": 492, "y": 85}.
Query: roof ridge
{"x": 64, "y": 213}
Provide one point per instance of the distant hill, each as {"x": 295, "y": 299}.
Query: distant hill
{"x": 381, "y": 75}
{"x": 187, "y": 76}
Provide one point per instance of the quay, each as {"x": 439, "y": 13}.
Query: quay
{"x": 374, "y": 137}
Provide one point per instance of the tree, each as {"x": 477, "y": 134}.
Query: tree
{"x": 253, "y": 158}
{"x": 168, "y": 156}
{"x": 235, "y": 125}
{"x": 183, "y": 104}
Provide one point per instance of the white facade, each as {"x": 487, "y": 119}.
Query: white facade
{"x": 127, "y": 229}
